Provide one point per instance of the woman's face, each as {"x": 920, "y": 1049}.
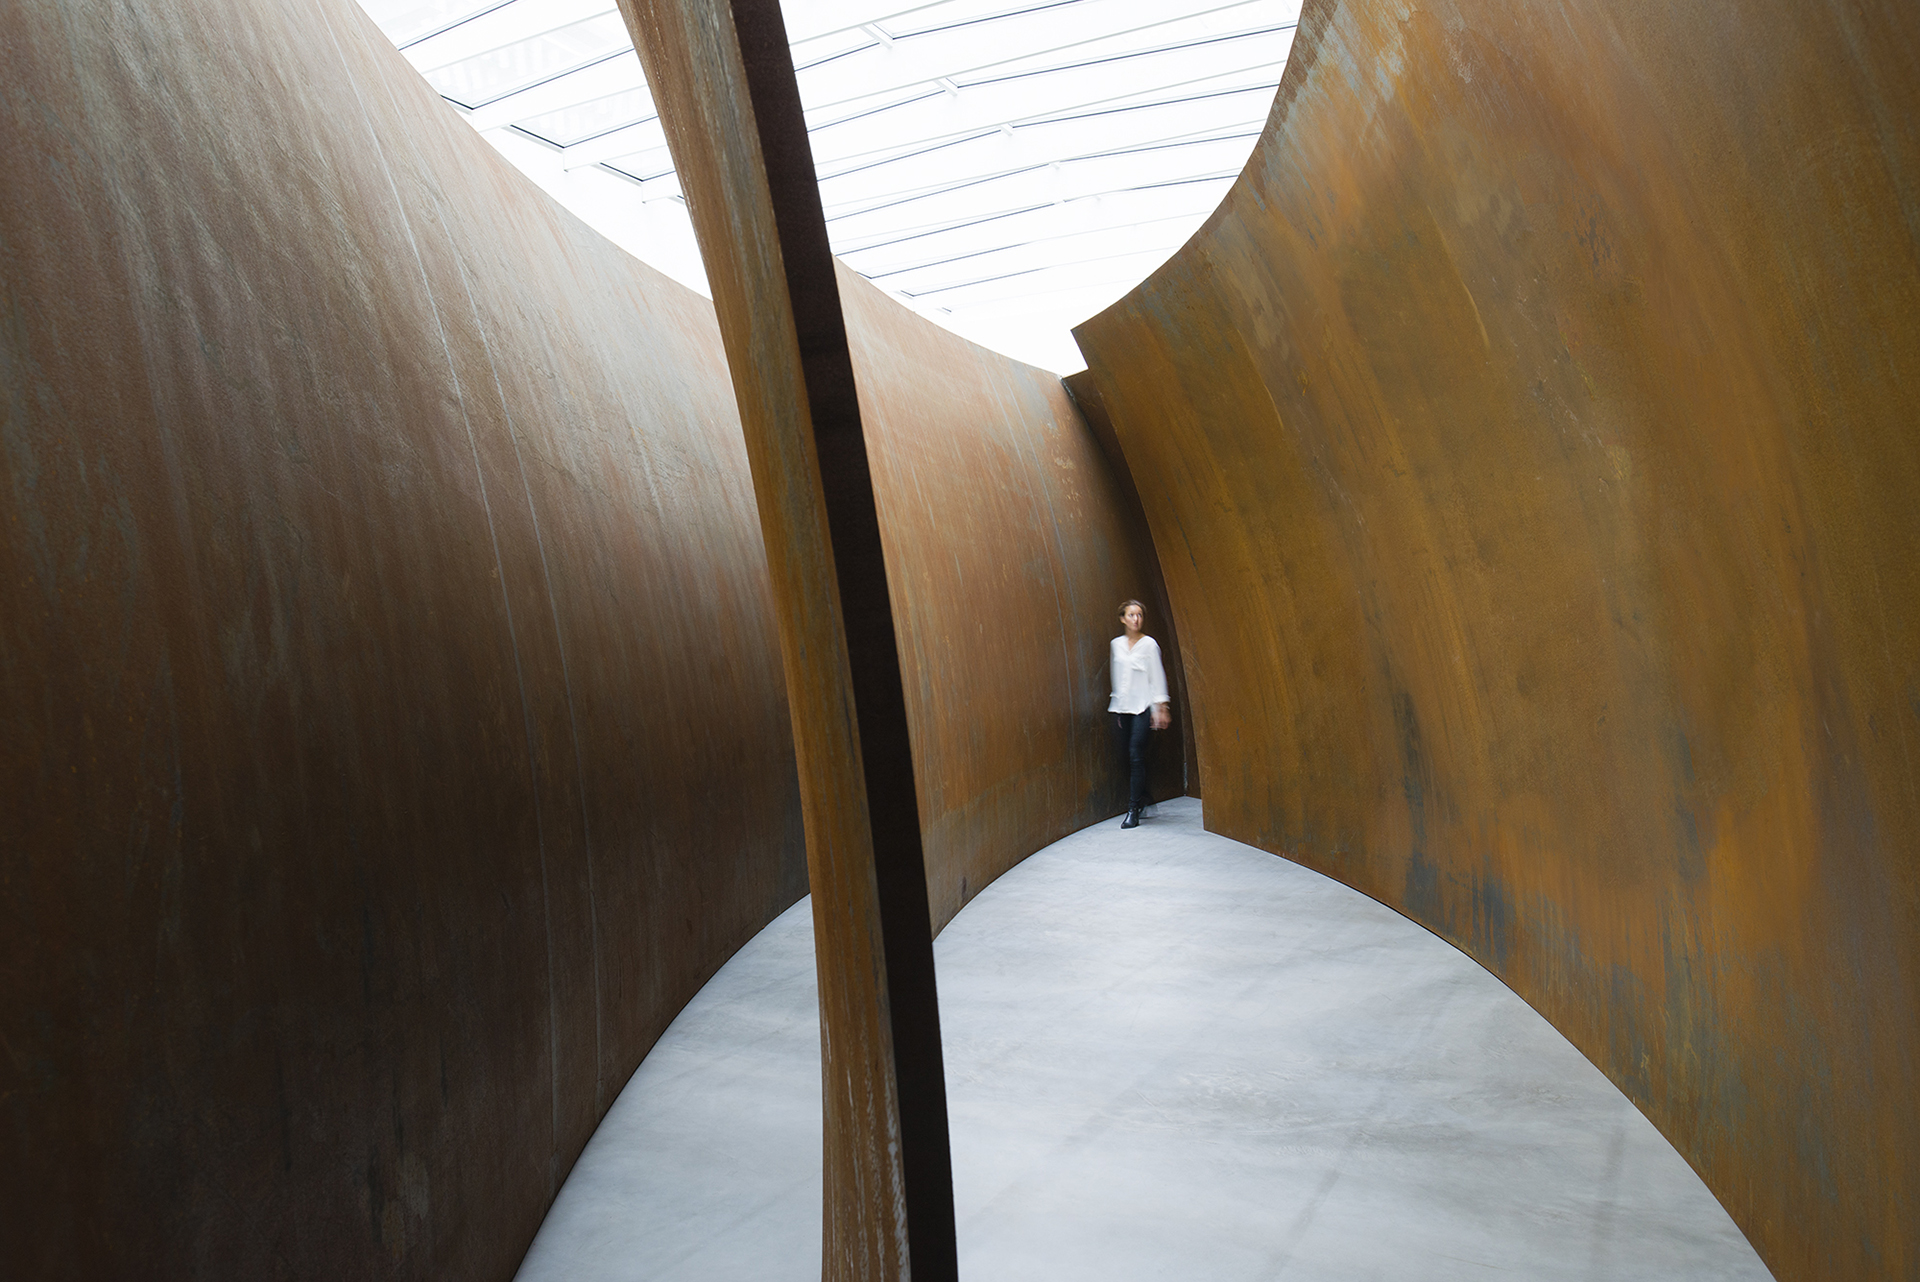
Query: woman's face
{"x": 1134, "y": 617}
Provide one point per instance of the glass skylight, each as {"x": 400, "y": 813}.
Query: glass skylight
{"x": 1006, "y": 168}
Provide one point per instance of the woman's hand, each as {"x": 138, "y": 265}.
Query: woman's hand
{"x": 1162, "y": 715}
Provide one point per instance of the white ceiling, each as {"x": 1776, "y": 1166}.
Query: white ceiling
{"x": 1005, "y": 167}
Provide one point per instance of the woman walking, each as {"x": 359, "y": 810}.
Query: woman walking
{"x": 1139, "y": 705}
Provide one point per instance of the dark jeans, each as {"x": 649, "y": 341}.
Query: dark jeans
{"x": 1133, "y": 736}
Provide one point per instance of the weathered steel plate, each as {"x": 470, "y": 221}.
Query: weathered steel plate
{"x": 1529, "y": 443}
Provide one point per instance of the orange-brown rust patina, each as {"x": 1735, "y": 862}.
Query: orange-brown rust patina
{"x": 1529, "y": 441}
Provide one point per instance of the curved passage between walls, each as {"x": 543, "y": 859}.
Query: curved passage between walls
{"x": 1168, "y": 1055}
{"x": 1010, "y": 544}
{"x": 394, "y": 733}
{"x": 1528, "y": 443}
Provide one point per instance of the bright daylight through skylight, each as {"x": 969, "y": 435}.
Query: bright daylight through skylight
{"x": 1004, "y": 167}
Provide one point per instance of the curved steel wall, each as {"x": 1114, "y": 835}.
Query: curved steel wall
{"x": 1530, "y": 444}
{"x": 394, "y": 730}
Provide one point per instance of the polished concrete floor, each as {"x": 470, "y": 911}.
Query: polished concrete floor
{"x": 1169, "y": 1057}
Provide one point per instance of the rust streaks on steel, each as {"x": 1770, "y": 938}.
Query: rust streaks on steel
{"x": 1530, "y": 439}
{"x": 391, "y": 738}
{"x": 723, "y": 79}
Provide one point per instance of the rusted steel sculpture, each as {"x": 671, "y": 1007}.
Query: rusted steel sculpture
{"x": 394, "y": 739}
{"x": 722, "y": 79}
{"x": 1530, "y": 444}
{"x": 392, "y": 736}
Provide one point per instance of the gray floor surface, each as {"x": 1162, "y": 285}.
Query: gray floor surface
{"x": 1169, "y": 1056}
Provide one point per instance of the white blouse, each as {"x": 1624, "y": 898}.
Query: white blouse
{"x": 1138, "y": 679}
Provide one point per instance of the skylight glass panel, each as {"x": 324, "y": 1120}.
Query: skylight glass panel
{"x": 595, "y": 118}
{"x": 511, "y": 68}
{"x": 1006, "y": 167}
{"x": 646, "y": 163}
{"x": 496, "y": 26}
{"x": 406, "y": 21}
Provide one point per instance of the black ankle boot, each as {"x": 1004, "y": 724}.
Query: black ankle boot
{"x": 1132, "y": 820}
